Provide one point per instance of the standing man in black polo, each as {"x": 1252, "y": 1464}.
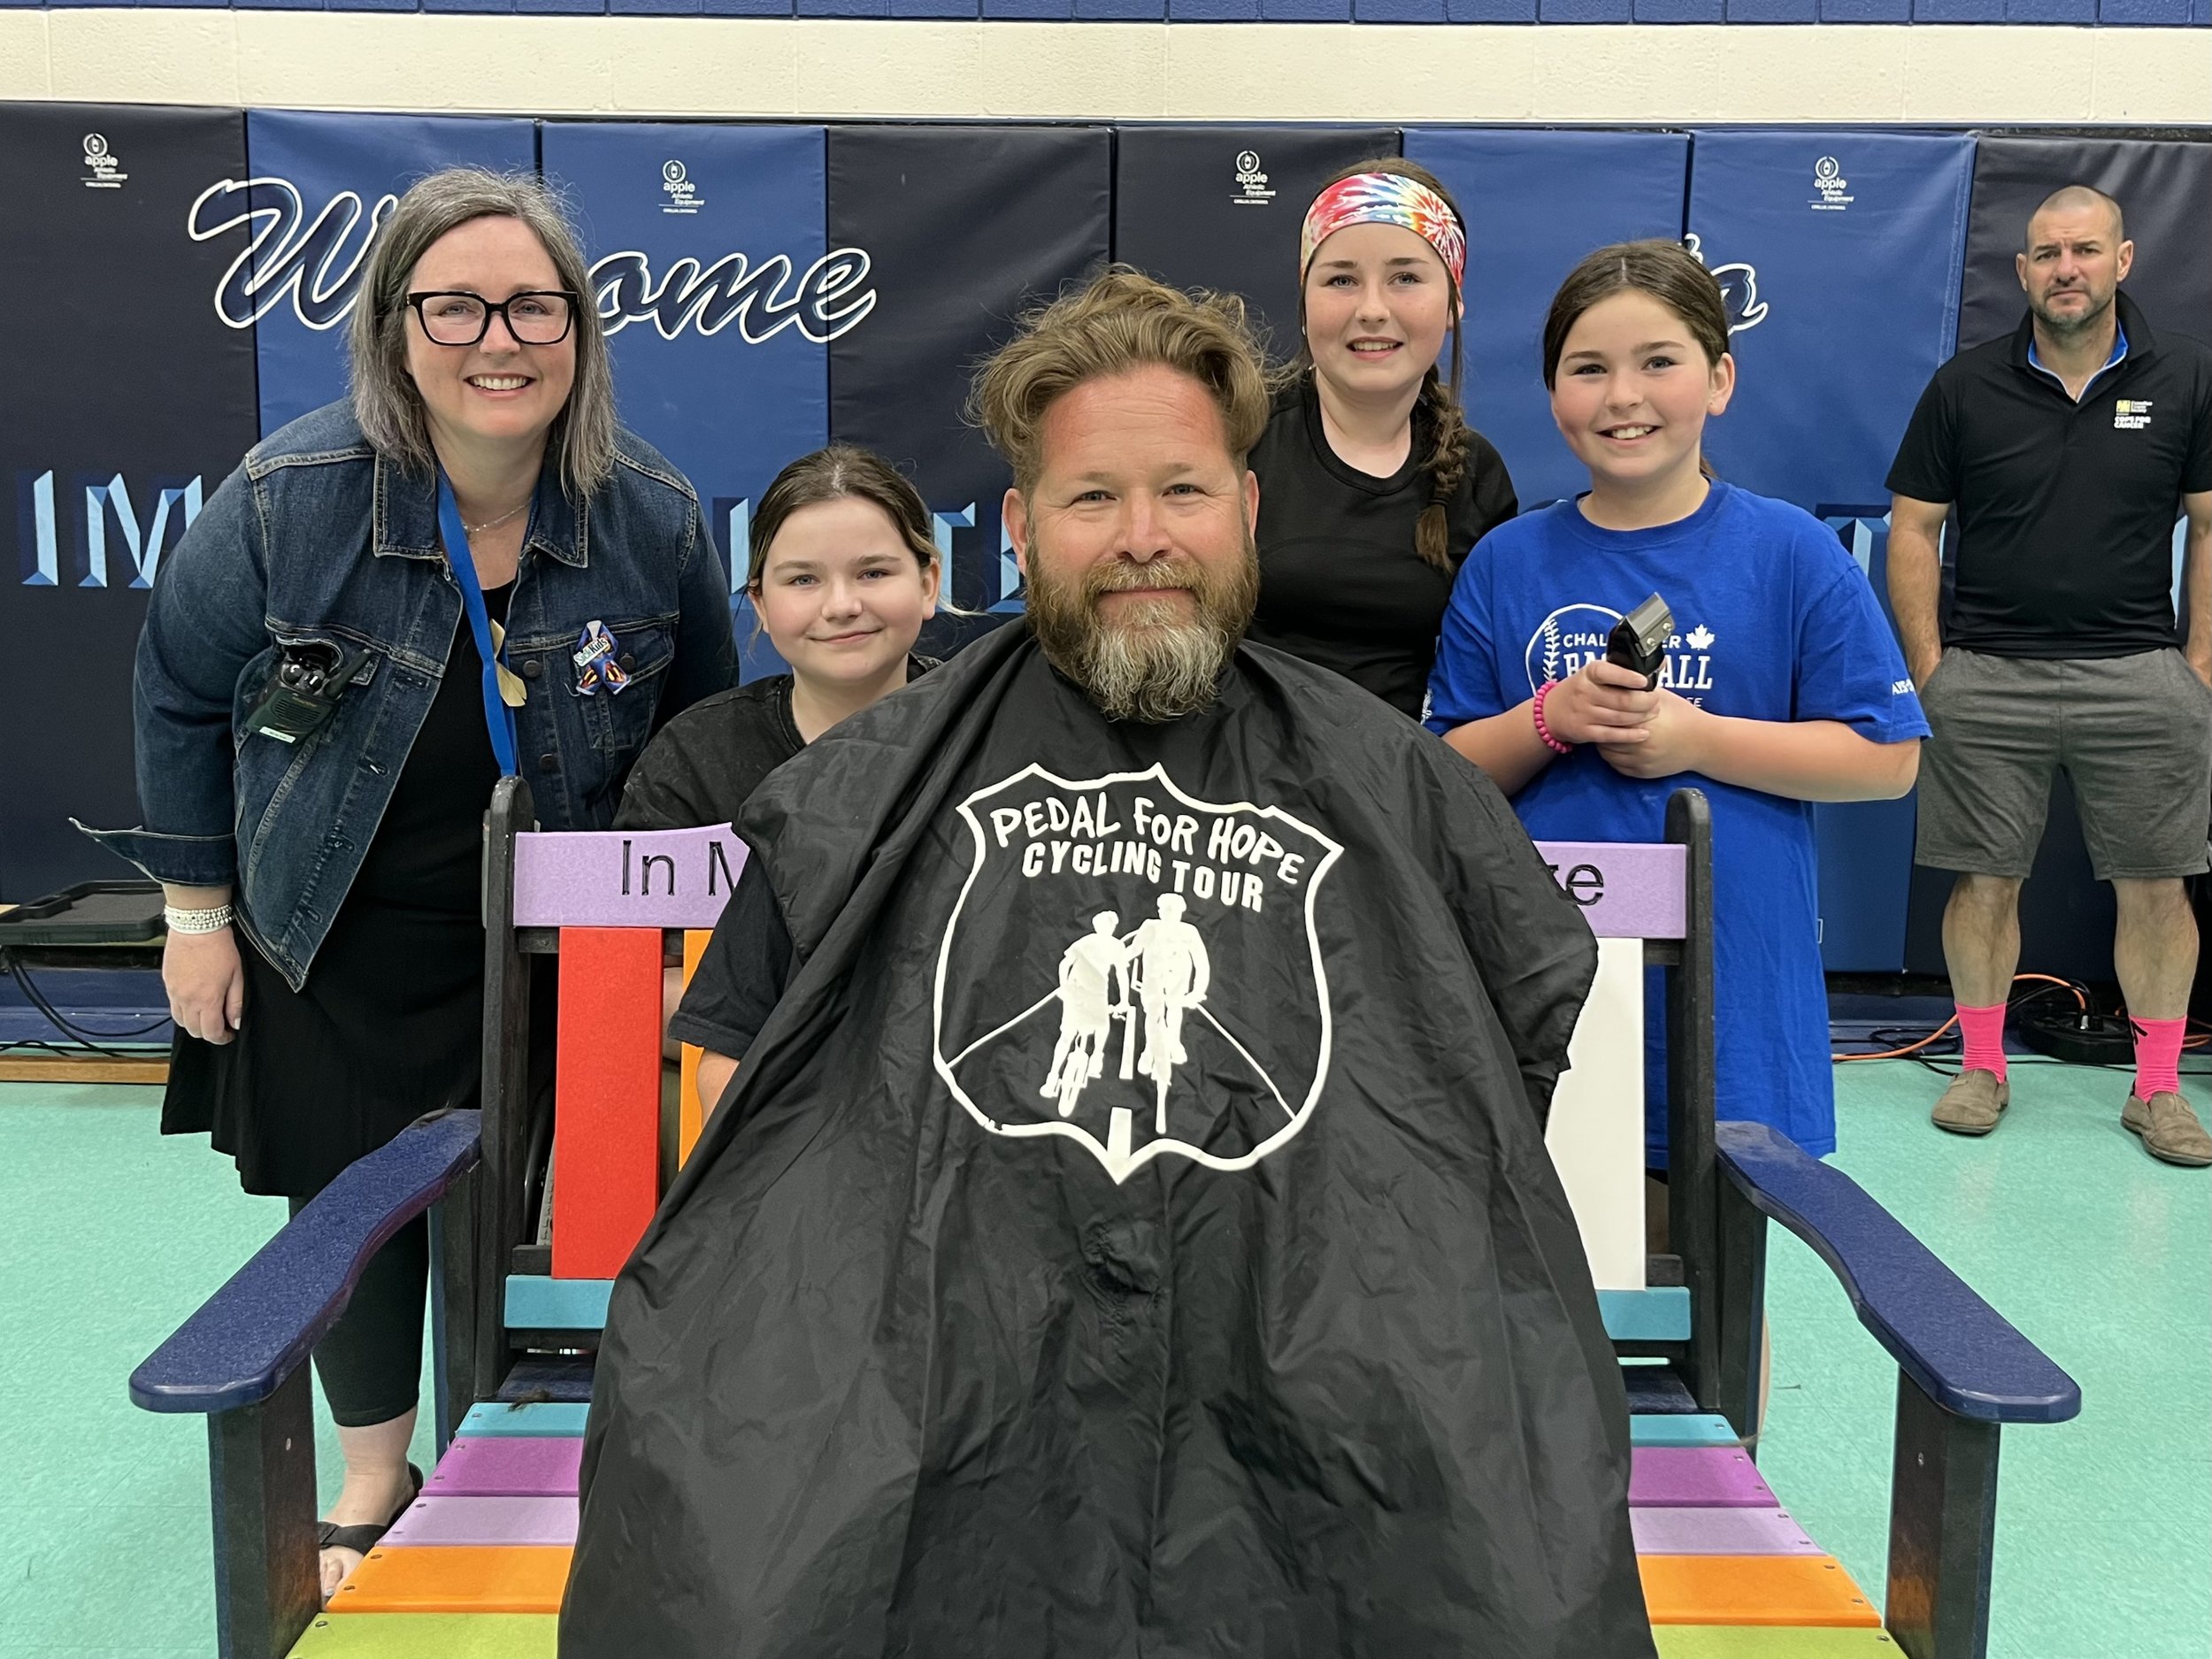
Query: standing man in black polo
{"x": 2071, "y": 450}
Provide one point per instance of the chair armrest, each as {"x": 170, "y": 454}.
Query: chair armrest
{"x": 1945, "y": 1337}
{"x": 252, "y": 1333}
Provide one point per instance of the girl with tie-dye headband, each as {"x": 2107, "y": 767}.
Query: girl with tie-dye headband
{"x": 1372, "y": 488}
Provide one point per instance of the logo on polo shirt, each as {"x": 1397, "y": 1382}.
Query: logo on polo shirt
{"x": 2130, "y": 414}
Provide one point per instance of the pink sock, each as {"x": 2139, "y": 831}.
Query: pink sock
{"x": 2158, "y": 1057}
{"x": 1983, "y": 1031}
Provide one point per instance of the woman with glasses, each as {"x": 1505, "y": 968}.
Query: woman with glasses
{"x": 465, "y": 568}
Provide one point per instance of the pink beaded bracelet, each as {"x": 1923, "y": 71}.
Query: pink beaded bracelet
{"x": 1543, "y": 730}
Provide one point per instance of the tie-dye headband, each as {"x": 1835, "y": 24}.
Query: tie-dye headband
{"x": 1385, "y": 198}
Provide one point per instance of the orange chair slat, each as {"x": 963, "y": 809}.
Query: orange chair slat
{"x": 466, "y": 1579}
{"x": 689, "y": 1117}
{"x": 1753, "y": 1590}
{"x": 607, "y": 1098}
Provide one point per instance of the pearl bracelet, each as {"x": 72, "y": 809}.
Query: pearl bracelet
{"x": 197, "y": 921}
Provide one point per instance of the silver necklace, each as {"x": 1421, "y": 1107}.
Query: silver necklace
{"x": 493, "y": 524}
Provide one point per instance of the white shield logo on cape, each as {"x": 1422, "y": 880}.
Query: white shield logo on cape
{"x": 1136, "y": 970}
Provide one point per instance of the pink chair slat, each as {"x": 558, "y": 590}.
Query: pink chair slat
{"x": 1716, "y": 1531}
{"x": 499, "y": 1521}
{"x": 607, "y": 1098}
{"x": 507, "y": 1466}
{"x": 1697, "y": 1477}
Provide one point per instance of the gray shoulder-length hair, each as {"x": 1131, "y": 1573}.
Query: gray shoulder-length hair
{"x": 385, "y": 399}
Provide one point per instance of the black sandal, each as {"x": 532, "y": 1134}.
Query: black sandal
{"x": 364, "y": 1536}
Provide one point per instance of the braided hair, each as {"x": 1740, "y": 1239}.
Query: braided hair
{"x": 1446, "y": 463}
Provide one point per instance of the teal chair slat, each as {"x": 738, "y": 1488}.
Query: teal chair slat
{"x": 1661, "y": 1314}
{"x": 1682, "y": 1431}
{"x": 537, "y": 1303}
{"x": 553, "y": 1418}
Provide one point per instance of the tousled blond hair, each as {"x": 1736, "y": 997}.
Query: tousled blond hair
{"x": 1120, "y": 320}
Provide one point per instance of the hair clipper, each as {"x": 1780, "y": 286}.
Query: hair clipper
{"x": 1639, "y": 640}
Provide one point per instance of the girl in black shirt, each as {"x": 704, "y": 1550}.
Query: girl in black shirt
{"x": 1372, "y": 488}
{"x": 843, "y": 575}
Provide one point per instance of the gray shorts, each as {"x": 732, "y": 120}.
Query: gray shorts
{"x": 2132, "y": 734}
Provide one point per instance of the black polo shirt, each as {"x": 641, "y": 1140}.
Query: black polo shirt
{"x": 2066, "y": 510}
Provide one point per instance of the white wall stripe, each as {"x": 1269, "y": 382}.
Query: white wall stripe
{"x": 851, "y": 67}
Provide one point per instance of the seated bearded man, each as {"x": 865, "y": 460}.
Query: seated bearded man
{"x": 1129, "y": 1231}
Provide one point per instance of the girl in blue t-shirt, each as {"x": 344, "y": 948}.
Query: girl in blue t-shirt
{"x": 1782, "y": 683}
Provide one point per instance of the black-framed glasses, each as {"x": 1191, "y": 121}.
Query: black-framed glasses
{"x": 455, "y": 317}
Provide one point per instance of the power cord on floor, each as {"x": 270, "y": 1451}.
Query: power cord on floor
{"x": 84, "y": 1040}
{"x": 2046, "y": 983}
{"x": 1916, "y": 1048}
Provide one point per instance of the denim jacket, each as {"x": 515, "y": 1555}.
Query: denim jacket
{"x": 318, "y": 537}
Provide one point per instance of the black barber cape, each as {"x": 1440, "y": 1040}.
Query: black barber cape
{"x": 1131, "y": 1235}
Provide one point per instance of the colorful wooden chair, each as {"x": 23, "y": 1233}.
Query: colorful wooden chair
{"x": 475, "y": 1569}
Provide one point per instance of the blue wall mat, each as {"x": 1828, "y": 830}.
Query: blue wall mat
{"x": 1538, "y": 202}
{"x": 126, "y": 405}
{"x": 1490, "y": 10}
{"x": 1188, "y": 209}
{"x": 320, "y": 185}
{"x": 968, "y": 227}
{"x": 1841, "y": 254}
{"x": 1866, "y": 10}
{"x": 716, "y": 286}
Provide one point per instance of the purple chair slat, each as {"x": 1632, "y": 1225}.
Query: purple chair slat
{"x": 1697, "y": 1477}
{"x": 435, "y": 1522}
{"x": 1719, "y": 1533}
{"x": 507, "y": 1466}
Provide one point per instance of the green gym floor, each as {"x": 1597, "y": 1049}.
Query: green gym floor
{"x": 2104, "y": 1533}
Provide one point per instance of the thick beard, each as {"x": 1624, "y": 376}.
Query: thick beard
{"x": 1159, "y": 662}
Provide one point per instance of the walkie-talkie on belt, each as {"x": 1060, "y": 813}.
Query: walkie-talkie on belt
{"x": 1639, "y": 640}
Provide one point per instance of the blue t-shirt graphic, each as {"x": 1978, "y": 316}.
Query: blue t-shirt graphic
{"x": 1773, "y": 621}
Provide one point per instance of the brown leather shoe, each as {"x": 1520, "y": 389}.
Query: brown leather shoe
{"x": 1973, "y": 1103}
{"x": 2168, "y": 1130}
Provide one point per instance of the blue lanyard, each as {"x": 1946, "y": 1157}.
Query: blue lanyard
{"x": 499, "y": 720}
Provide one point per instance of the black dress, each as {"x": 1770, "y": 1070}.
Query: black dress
{"x": 389, "y": 1024}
